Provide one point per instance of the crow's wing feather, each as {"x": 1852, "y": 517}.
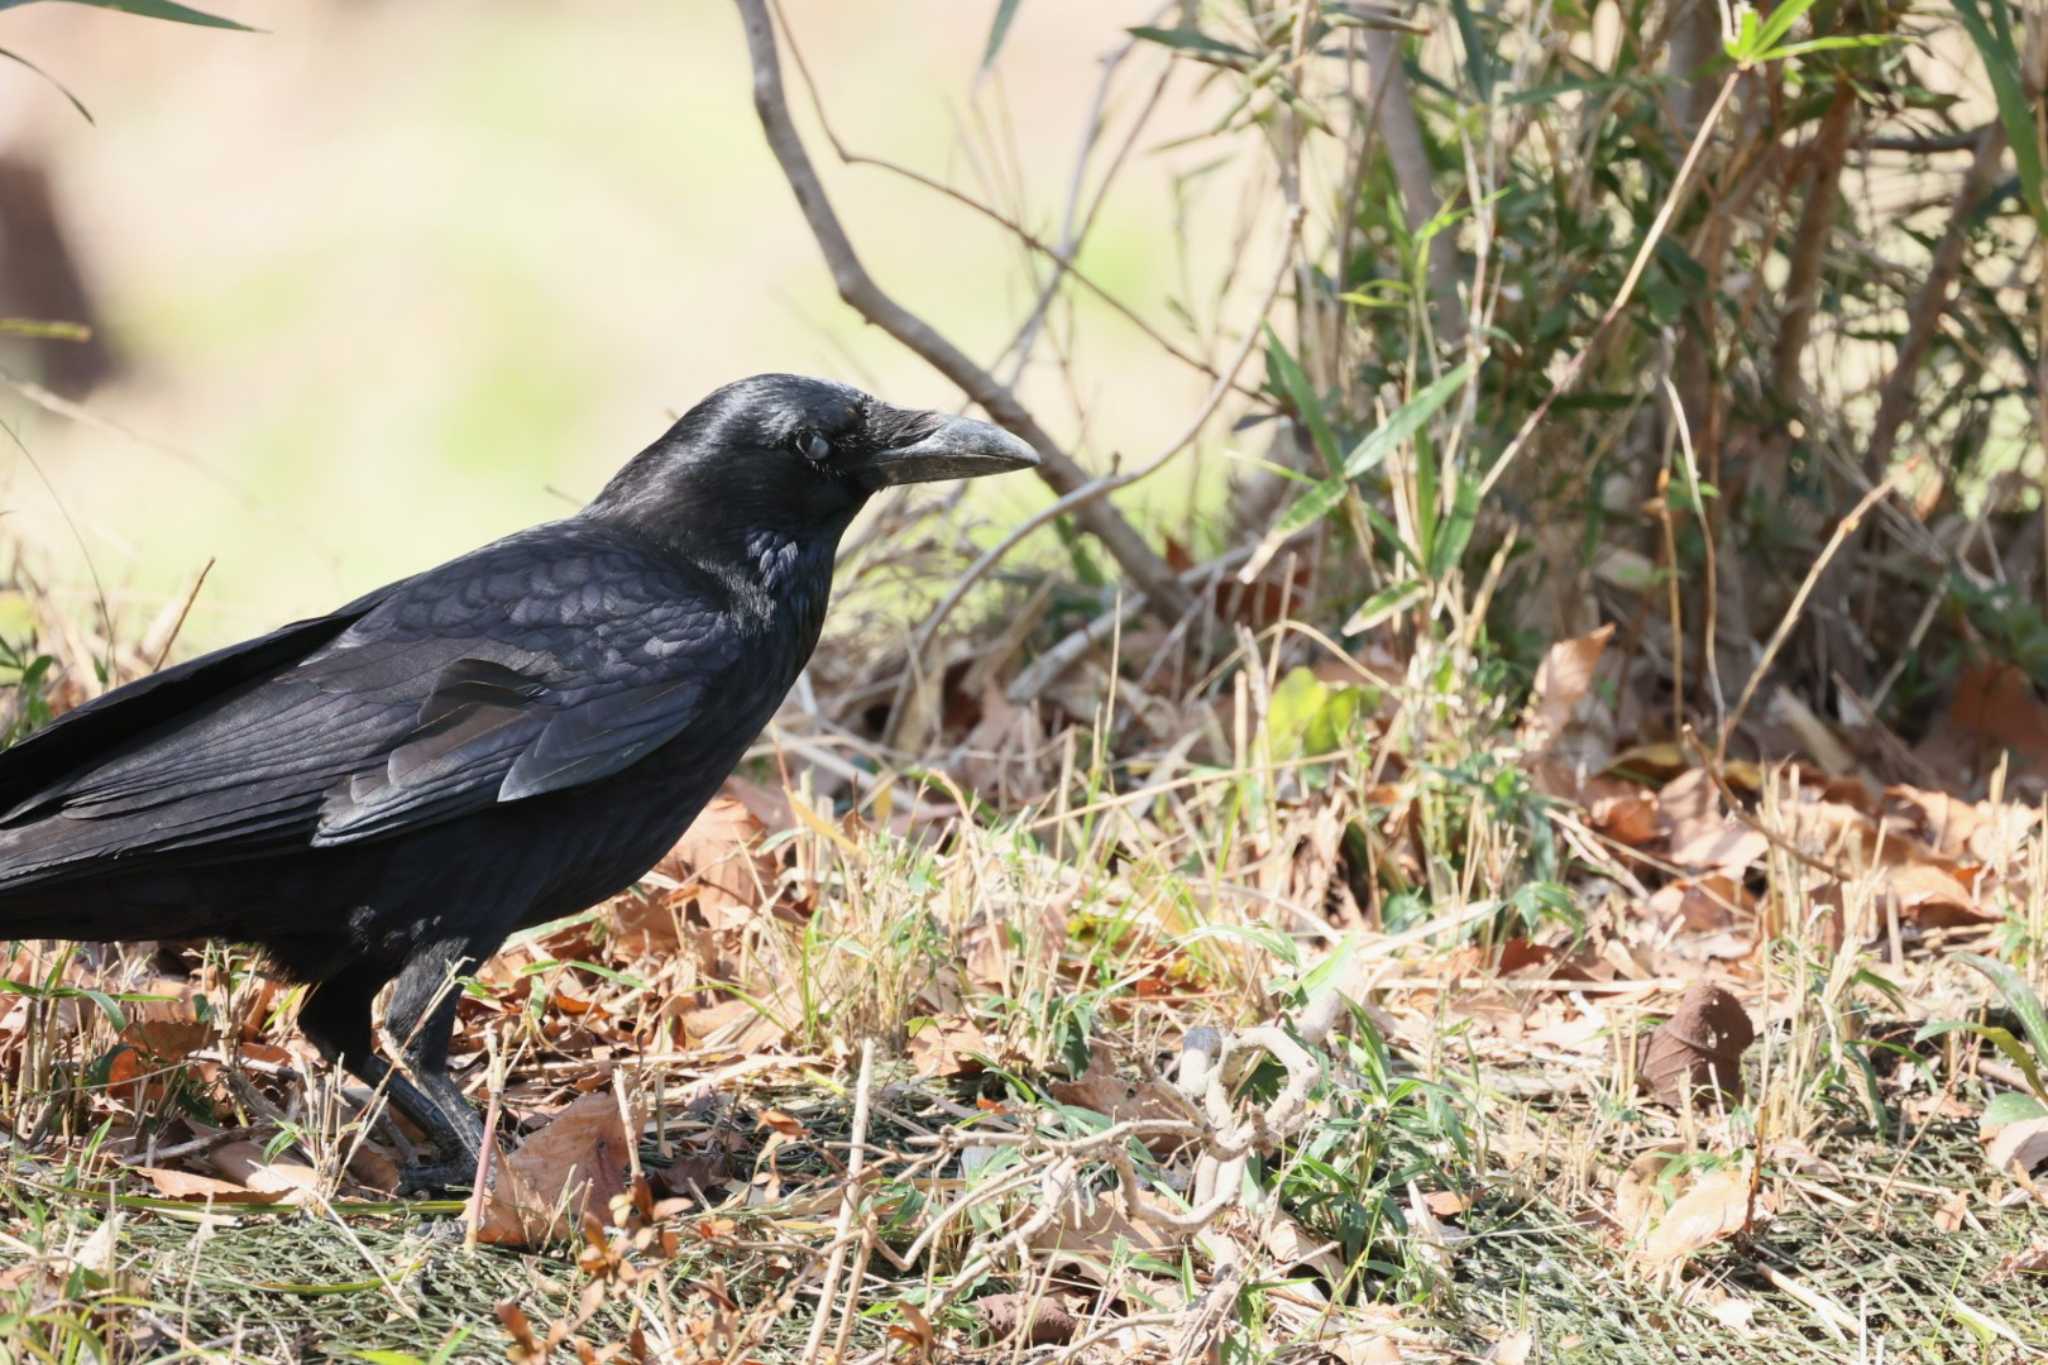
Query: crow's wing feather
{"x": 40, "y": 766}
{"x": 477, "y": 744}
{"x": 601, "y": 737}
{"x": 554, "y": 658}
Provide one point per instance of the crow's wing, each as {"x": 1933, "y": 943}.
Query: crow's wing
{"x": 490, "y": 733}
{"x": 549, "y": 660}
{"x": 102, "y": 727}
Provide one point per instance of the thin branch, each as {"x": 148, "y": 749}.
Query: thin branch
{"x": 1964, "y": 140}
{"x": 193, "y": 596}
{"x": 1062, "y": 258}
{"x": 1161, "y": 586}
{"x": 849, "y": 1199}
{"x": 1075, "y": 224}
{"x": 1110, "y": 483}
{"x": 1930, "y": 305}
{"x": 1816, "y": 222}
{"x": 1401, "y": 134}
{"x": 1570, "y": 378}
{"x": 1844, "y": 528}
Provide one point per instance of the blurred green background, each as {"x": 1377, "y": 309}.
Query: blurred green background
{"x": 404, "y": 277}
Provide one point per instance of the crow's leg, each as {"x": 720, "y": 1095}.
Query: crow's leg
{"x": 336, "y": 1021}
{"x": 419, "y": 1022}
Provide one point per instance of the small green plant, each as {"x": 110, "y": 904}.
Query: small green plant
{"x": 25, "y": 672}
{"x": 2028, "y": 1055}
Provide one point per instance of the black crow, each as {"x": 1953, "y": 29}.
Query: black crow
{"x": 386, "y": 792}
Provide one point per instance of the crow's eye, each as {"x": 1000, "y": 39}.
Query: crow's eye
{"x": 813, "y": 447}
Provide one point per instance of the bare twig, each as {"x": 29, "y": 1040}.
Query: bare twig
{"x": 480, "y": 1185}
{"x": 1710, "y": 631}
{"x": 1110, "y": 483}
{"x": 1816, "y": 220}
{"x": 1074, "y": 224}
{"x": 1570, "y": 378}
{"x": 856, "y": 1159}
{"x": 1162, "y": 588}
{"x": 1033, "y": 678}
{"x": 1401, "y": 132}
{"x": 1843, "y": 529}
{"x": 1962, "y": 140}
{"x": 1895, "y": 400}
{"x": 1061, "y": 257}
{"x": 183, "y": 612}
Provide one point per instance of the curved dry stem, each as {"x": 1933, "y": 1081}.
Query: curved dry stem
{"x": 1140, "y": 563}
{"x": 1110, "y": 483}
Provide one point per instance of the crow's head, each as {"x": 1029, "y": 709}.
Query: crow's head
{"x": 782, "y": 453}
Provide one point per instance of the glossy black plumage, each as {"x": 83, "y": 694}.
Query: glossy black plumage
{"x": 387, "y": 792}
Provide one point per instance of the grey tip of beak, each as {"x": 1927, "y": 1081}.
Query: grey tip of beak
{"x": 958, "y": 448}
{"x": 1013, "y": 448}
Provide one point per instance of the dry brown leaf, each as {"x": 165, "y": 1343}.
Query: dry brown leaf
{"x": 1934, "y": 898}
{"x": 768, "y": 805}
{"x": 1717, "y": 844}
{"x": 374, "y": 1169}
{"x": 1695, "y": 1056}
{"x": 1583, "y": 1032}
{"x": 999, "y": 751}
{"x": 1563, "y": 680}
{"x": 1051, "y": 1322}
{"x": 1446, "y": 1203}
{"x": 1840, "y": 833}
{"x": 1954, "y": 828}
{"x": 1690, "y": 796}
{"x": 291, "y": 1182}
{"x": 2032, "y": 1261}
{"x": 201, "y": 1188}
{"x": 1638, "y": 1195}
{"x": 167, "y": 1038}
{"x": 1118, "y": 1100}
{"x": 1092, "y": 1235}
{"x": 947, "y": 1047}
{"x": 1632, "y": 818}
{"x": 1293, "y": 1248}
{"x": 1737, "y": 1315}
{"x": 695, "y": 1171}
{"x": 789, "y": 1125}
{"x": 720, "y": 878}
{"x": 715, "y": 852}
{"x": 1716, "y": 1207}
{"x": 1703, "y": 905}
{"x": 1814, "y": 735}
{"x": 1361, "y": 1348}
{"x": 2024, "y": 1143}
{"x": 1516, "y": 1348}
{"x": 730, "y": 1023}
{"x": 579, "y": 1162}
{"x": 1994, "y": 708}
{"x": 1568, "y": 730}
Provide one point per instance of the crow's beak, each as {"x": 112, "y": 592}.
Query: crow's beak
{"x": 950, "y": 448}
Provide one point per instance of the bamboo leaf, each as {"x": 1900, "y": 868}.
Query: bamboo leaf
{"x": 1307, "y": 402}
{"x": 1188, "y": 40}
{"x": 150, "y": 9}
{"x": 58, "y": 85}
{"x": 1006, "y": 11}
{"x": 1384, "y": 604}
{"x": 2001, "y": 56}
{"x": 2012, "y": 1106}
{"x": 1374, "y": 449}
{"x": 2019, "y": 997}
